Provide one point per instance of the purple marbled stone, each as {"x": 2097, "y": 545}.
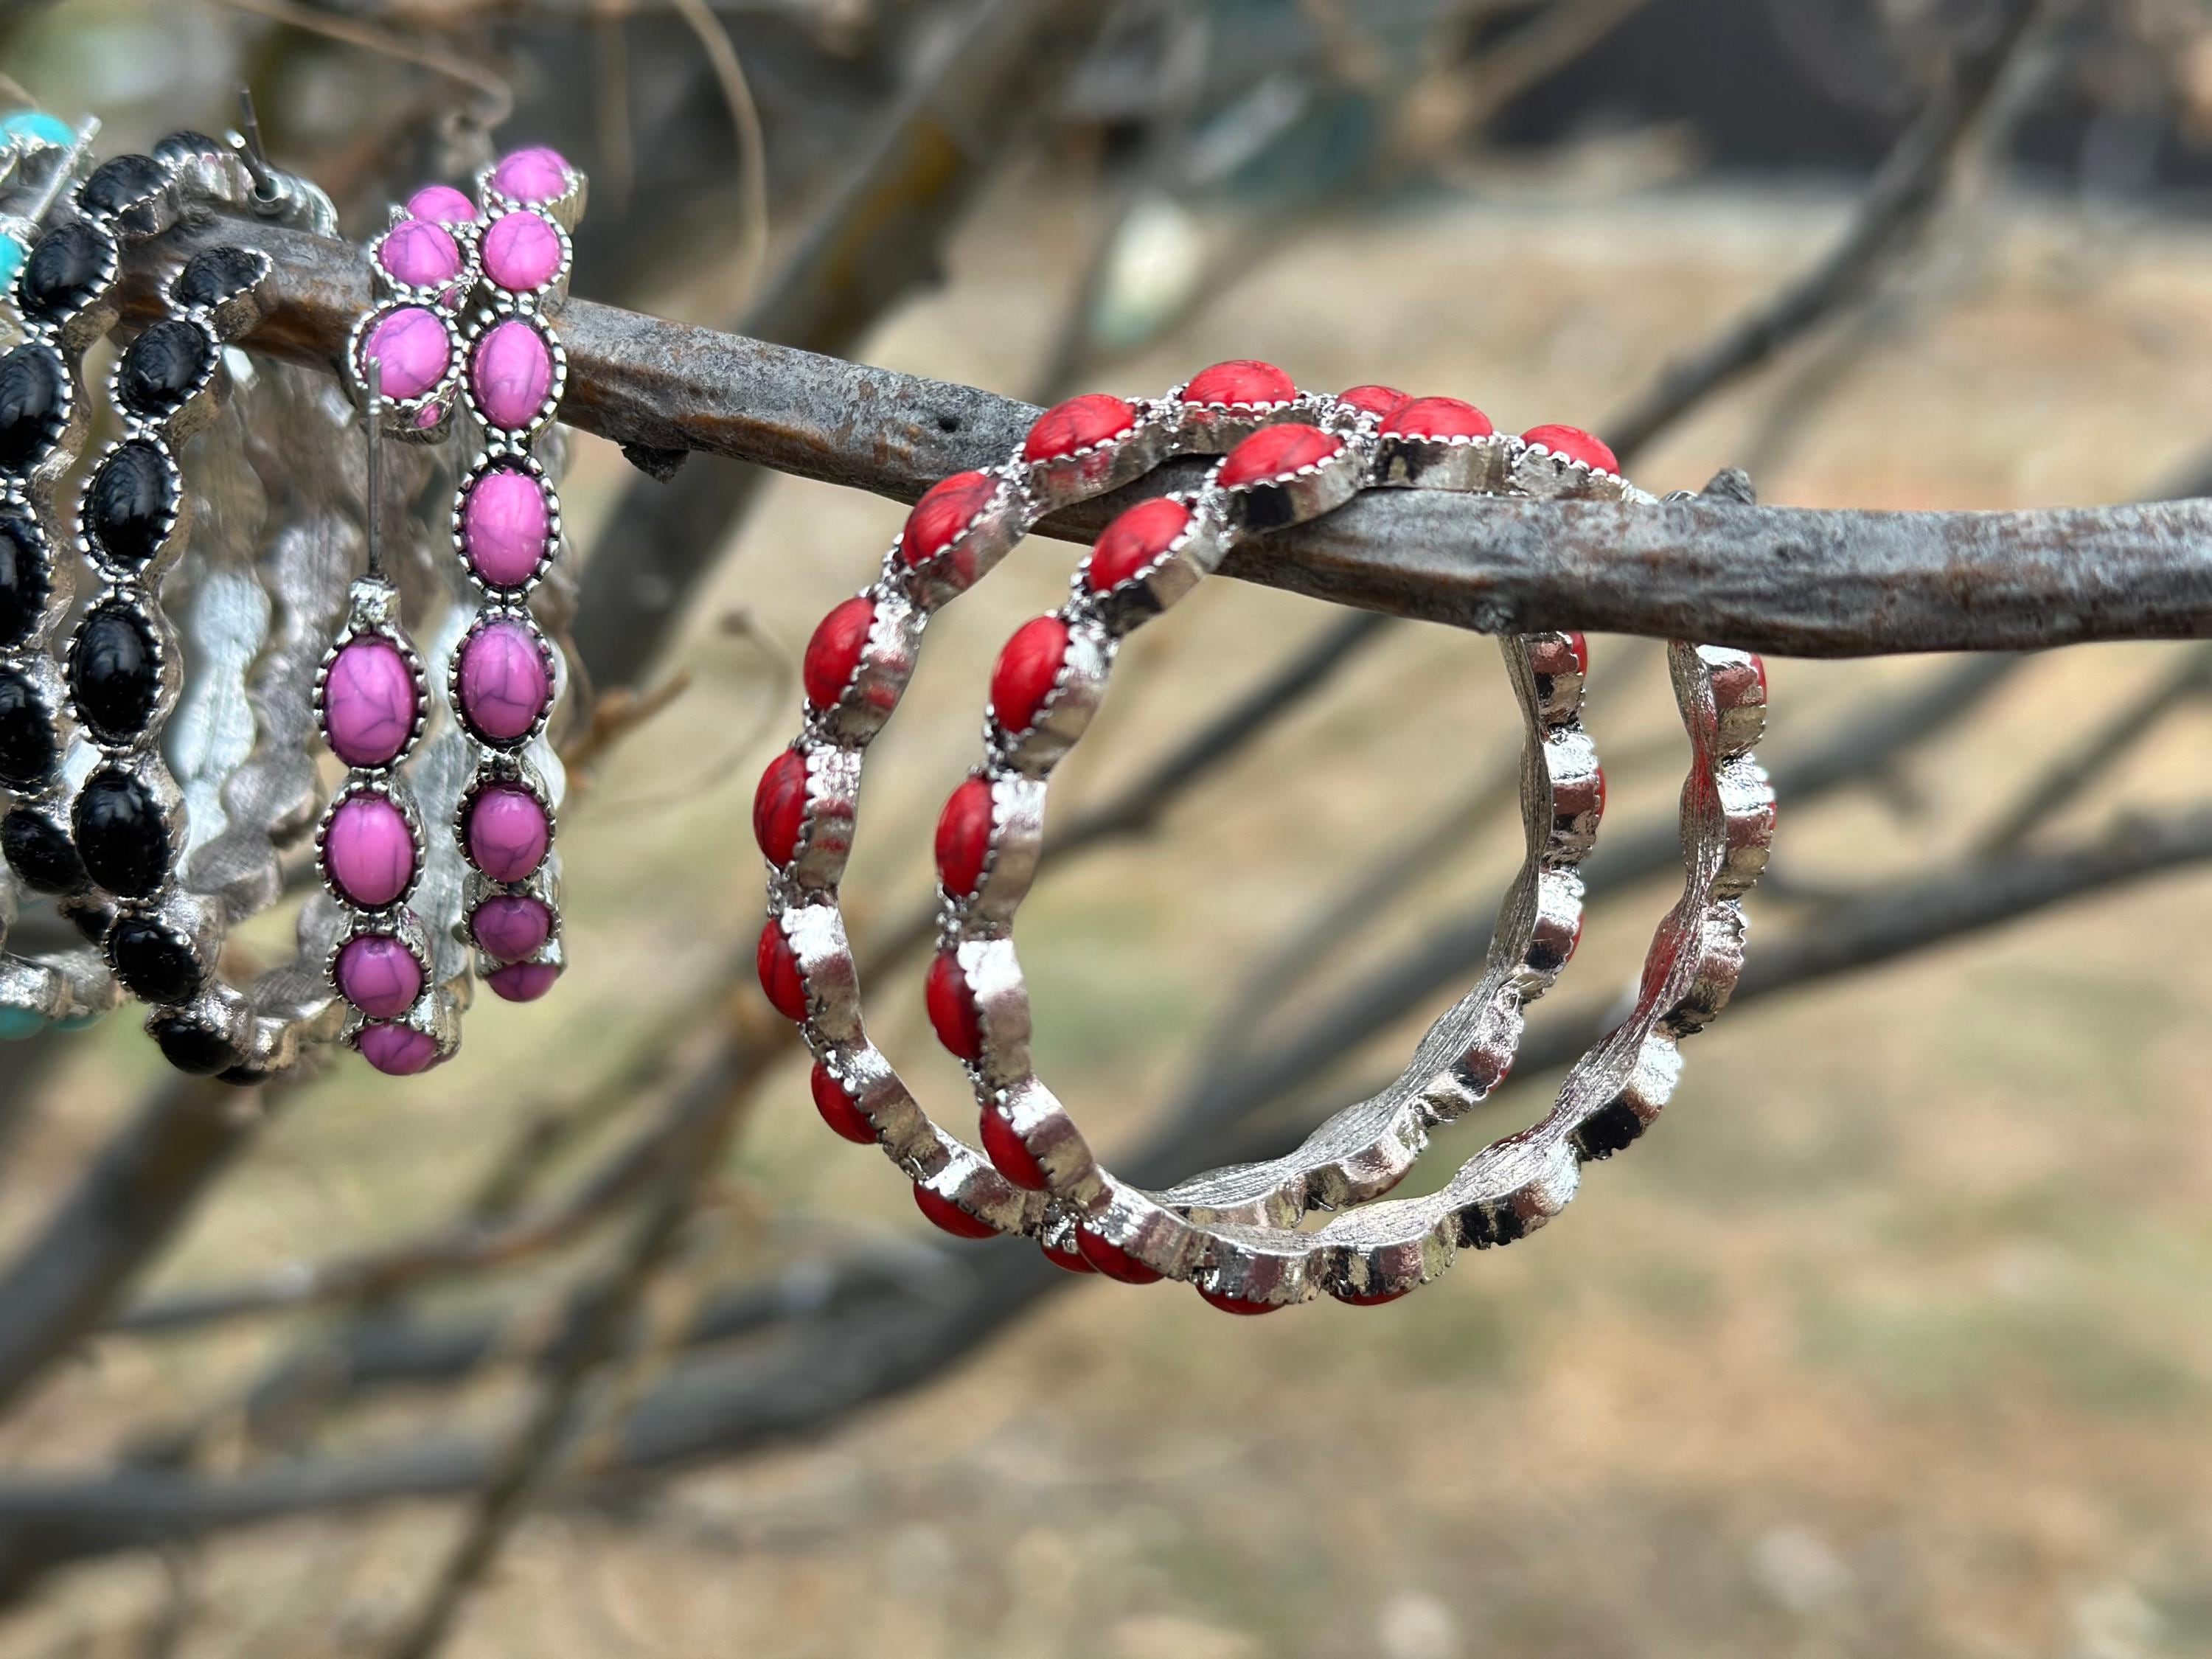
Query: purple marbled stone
{"x": 522, "y": 982}
{"x": 440, "y": 205}
{"x": 397, "y": 1050}
{"x": 411, "y": 344}
{"x": 507, "y": 833}
{"x": 369, "y": 703}
{"x": 504, "y": 683}
{"x": 420, "y": 254}
{"x": 379, "y": 975}
{"x": 504, "y": 524}
{"x": 511, "y": 373}
{"x": 369, "y": 853}
{"x": 509, "y": 929}
{"x": 521, "y": 251}
{"x": 537, "y": 174}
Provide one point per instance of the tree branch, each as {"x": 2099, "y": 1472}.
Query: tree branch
{"x": 1792, "y": 581}
{"x": 881, "y": 1341}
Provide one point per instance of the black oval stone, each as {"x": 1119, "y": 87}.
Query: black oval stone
{"x": 162, "y": 364}
{"x": 117, "y": 185}
{"x": 190, "y": 1046}
{"x": 119, "y": 834}
{"x": 24, "y": 584}
{"x": 188, "y": 145}
{"x": 153, "y": 962}
{"x": 113, "y": 676}
{"x": 28, "y": 750}
{"x": 64, "y": 269}
{"x": 40, "y": 853}
{"x": 91, "y": 921}
{"x": 215, "y": 274}
{"x": 31, "y": 398}
{"x": 131, "y": 503}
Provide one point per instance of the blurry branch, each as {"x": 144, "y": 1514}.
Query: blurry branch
{"x": 752, "y": 142}
{"x": 2093, "y": 756}
{"x": 1904, "y": 196}
{"x": 519, "y": 1473}
{"x": 874, "y": 1340}
{"x": 125, "y": 1206}
{"x": 882, "y": 235}
{"x": 496, "y": 98}
{"x": 475, "y": 1244}
{"x": 1788, "y": 580}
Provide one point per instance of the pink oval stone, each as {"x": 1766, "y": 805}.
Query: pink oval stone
{"x": 411, "y": 344}
{"x": 508, "y": 834}
{"x": 537, "y": 174}
{"x": 508, "y": 929}
{"x": 512, "y": 374}
{"x": 504, "y": 524}
{"x": 397, "y": 1050}
{"x": 369, "y": 703}
{"x": 504, "y": 683}
{"x": 440, "y": 205}
{"x": 521, "y": 251}
{"x": 522, "y": 982}
{"x": 419, "y": 253}
{"x": 368, "y": 852}
{"x": 379, "y": 975}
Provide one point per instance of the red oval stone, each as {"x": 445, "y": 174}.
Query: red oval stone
{"x": 963, "y": 838}
{"x": 838, "y": 1109}
{"x": 1577, "y": 643}
{"x": 1008, "y": 1154}
{"x": 1375, "y": 399}
{"x": 944, "y": 1213}
{"x": 1133, "y": 541}
{"x": 1371, "y": 1299}
{"x": 1077, "y": 424}
{"x": 1242, "y": 383}
{"x": 940, "y": 516}
{"x": 1113, "y": 1260}
{"x": 1275, "y": 451}
{"x": 778, "y": 966}
{"x": 1238, "y": 1305}
{"x": 1027, "y": 671}
{"x": 1438, "y": 417}
{"x": 833, "y": 655}
{"x": 1068, "y": 1261}
{"x": 835, "y": 651}
{"x": 953, "y": 1010}
{"x": 1573, "y": 443}
{"x": 780, "y": 806}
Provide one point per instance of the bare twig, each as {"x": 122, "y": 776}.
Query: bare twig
{"x": 2093, "y": 756}
{"x": 1792, "y": 581}
{"x": 1905, "y": 195}
{"x": 872, "y": 1345}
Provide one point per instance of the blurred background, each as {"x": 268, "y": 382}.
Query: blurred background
{"x": 1890, "y": 1338}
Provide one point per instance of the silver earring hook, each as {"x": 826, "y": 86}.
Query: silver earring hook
{"x": 373, "y": 413}
{"x": 246, "y": 141}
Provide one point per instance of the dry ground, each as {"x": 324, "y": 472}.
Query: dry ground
{"x": 1892, "y": 1340}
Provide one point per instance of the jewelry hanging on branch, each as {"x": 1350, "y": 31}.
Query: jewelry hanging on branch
{"x": 1291, "y": 456}
{"x": 60, "y": 288}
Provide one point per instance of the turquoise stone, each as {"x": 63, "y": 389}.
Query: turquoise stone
{"x": 39, "y": 127}
{"x": 16, "y": 1024}
{"x": 12, "y": 255}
